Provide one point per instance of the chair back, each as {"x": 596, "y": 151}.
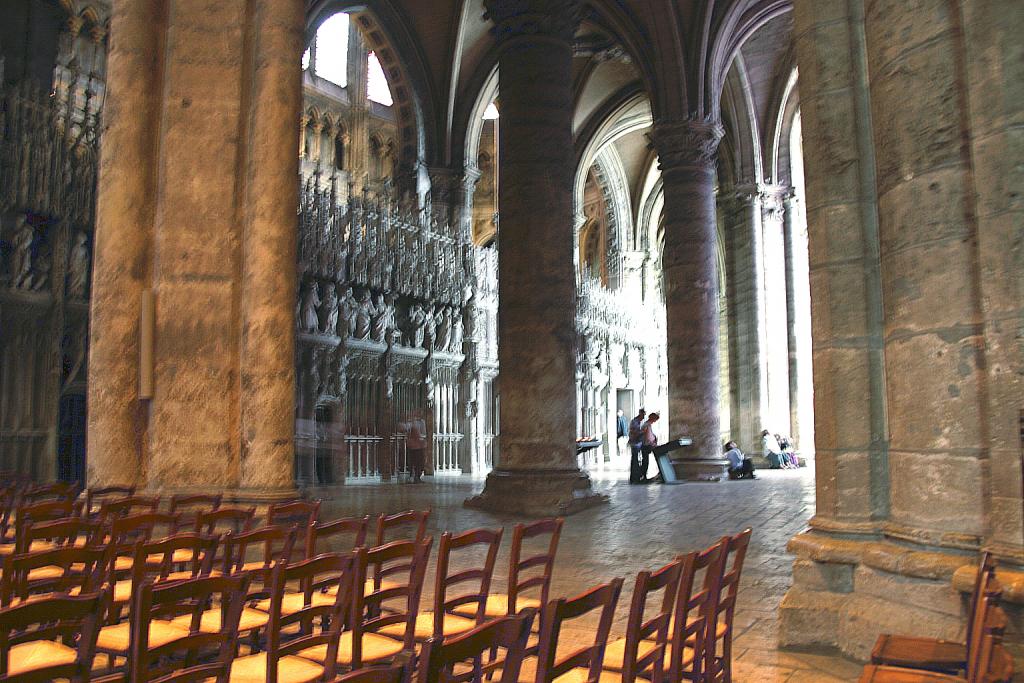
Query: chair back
{"x": 523, "y": 571}
{"x": 986, "y": 571}
{"x": 225, "y": 520}
{"x": 390, "y": 527}
{"x": 601, "y": 599}
{"x": 340, "y": 536}
{"x": 725, "y": 605}
{"x": 321, "y": 576}
{"x": 692, "y": 610}
{"x": 300, "y": 513}
{"x": 60, "y": 570}
{"x": 46, "y": 511}
{"x": 472, "y": 585}
{"x": 55, "y": 490}
{"x": 988, "y": 641}
{"x": 641, "y": 628}
{"x": 180, "y": 659}
{"x": 127, "y": 530}
{"x": 117, "y": 508}
{"x": 162, "y": 559}
{"x": 399, "y": 671}
{"x": 404, "y": 563}
{"x": 256, "y": 551}
{"x": 94, "y": 498}
{"x": 510, "y": 633}
{"x": 75, "y": 621}
{"x": 189, "y": 507}
{"x": 58, "y": 533}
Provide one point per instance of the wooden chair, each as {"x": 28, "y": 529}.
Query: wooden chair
{"x": 342, "y": 535}
{"x": 41, "y": 511}
{"x": 399, "y": 671}
{"x": 225, "y": 520}
{"x": 125, "y": 532}
{"x": 118, "y": 508}
{"x": 643, "y": 649}
{"x": 189, "y": 507}
{"x": 50, "y": 638}
{"x": 311, "y": 654}
{"x": 152, "y": 562}
{"x": 508, "y": 634}
{"x": 932, "y": 654}
{"x": 300, "y": 513}
{"x": 523, "y": 573}
{"x": 178, "y": 659}
{"x": 67, "y": 570}
{"x": 584, "y": 664}
{"x": 396, "y": 604}
{"x": 442, "y": 621}
{"x": 988, "y": 662}
{"x": 74, "y": 531}
{"x": 389, "y": 526}
{"x": 692, "y": 612}
{"x": 719, "y": 625}
{"x": 95, "y": 498}
{"x": 55, "y": 490}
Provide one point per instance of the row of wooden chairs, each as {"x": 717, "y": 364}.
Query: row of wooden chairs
{"x": 170, "y": 628}
{"x": 981, "y": 658}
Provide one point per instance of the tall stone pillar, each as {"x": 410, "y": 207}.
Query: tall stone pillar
{"x": 776, "y": 316}
{"x": 748, "y": 377}
{"x": 537, "y": 472}
{"x": 687, "y": 151}
{"x": 798, "y": 332}
{"x": 198, "y": 203}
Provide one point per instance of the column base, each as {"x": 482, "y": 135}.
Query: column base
{"x": 702, "y": 470}
{"x": 548, "y": 493}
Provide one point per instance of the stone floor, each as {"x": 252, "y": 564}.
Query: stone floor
{"x": 645, "y": 527}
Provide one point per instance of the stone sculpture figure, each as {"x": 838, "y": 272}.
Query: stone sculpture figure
{"x": 429, "y": 331}
{"x": 78, "y": 267}
{"x": 389, "y": 319}
{"x": 40, "y": 271}
{"x": 347, "y": 310}
{"x": 21, "y": 254}
{"x": 442, "y": 328}
{"x": 457, "y": 327}
{"x": 416, "y": 326}
{"x": 309, "y": 320}
{"x": 329, "y": 311}
{"x": 379, "y": 318}
{"x": 363, "y": 316}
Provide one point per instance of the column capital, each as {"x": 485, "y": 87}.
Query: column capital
{"x": 518, "y": 18}
{"x": 687, "y": 144}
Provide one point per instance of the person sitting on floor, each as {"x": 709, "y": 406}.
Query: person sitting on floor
{"x": 773, "y": 451}
{"x": 788, "y": 452}
{"x": 740, "y": 466}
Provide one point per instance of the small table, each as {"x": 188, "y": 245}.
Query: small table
{"x": 664, "y": 459}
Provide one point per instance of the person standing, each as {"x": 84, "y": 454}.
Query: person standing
{"x": 636, "y": 440}
{"x": 621, "y": 430}
{"x": 740, "y": 466}
{"x": 650, "y": 440}
{"x": 415, "y": 444}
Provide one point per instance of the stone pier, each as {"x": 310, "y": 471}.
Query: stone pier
{"x": 687, "y": 151}
{"x": 537, "y": 471}
{"x": 917, "y": 386}
{"x": 198, "y": 204}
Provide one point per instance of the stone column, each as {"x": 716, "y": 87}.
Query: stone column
{"x": 198, "y": 203}
{"x": 687, "y": 151}
{"x": 267, "y": 353}
{"x": 122, "y": 250}
{"x": 775, "y": 308}
{"x": 798, "y": 315}
{"x": 991, "y": 42}
{"x": 537, "y": 472}
{"x": 745, "y": 272}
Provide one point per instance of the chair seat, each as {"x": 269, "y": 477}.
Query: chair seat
{"x": 210, "y": 623}
{"x": 51, "y": 571}
{"x": 497, "y": 606}
{"x": 293, "y": 602}
{"x": 615, "y": 653}
{"x": 719, "y": 630}
{"x": 34, "y": 547}
{"x": 582, "y": 675}
{"x": 183, "y": 555}
{"x": 181, "y": 576}
{"x": 368, "y": 587}
{"x": 122, "y": 591}
{"x": 452, "y": 625}
{"x": 375, "y": 648}
{"x": 116, "y": 638}
{"x": 911, "y": 652}
{"x": 37, "y": 655}
{"x": 891, "y": 674}
{"x": 290, "y": 669}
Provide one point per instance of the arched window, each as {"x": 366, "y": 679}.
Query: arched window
{"x": 339, "y": 151}
{"x": 377, "y": 89}
{"x": 328, "y": 55}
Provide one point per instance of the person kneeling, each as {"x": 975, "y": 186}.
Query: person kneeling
{"x": 740, "y": 466}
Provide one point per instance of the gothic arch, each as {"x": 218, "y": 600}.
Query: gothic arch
{"x": 386, "y": 32}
